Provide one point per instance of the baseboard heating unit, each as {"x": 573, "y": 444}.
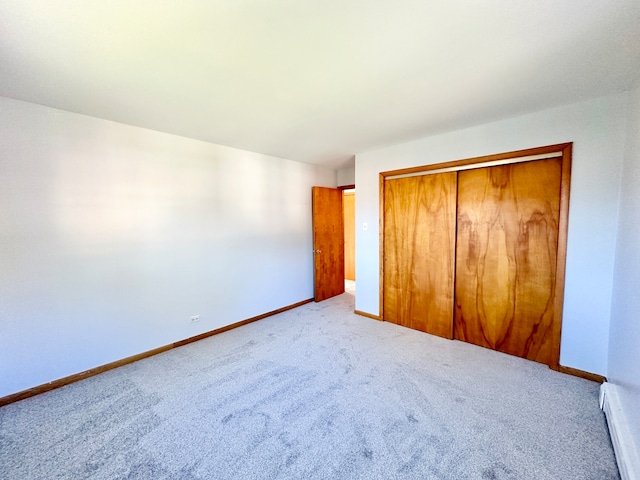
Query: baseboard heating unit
{"x": 626, "y": 452}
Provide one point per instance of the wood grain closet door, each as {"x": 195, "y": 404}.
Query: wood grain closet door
{"x": 419, "y": 243}
{"x": 506, "y": 258}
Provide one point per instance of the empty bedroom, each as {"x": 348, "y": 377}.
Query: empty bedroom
{"x": 329, "y": 240}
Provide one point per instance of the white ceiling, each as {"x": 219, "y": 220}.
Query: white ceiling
{"x": 315, "y": 80}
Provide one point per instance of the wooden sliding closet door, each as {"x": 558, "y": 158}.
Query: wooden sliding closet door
{"x": 506, "y": 258}
{"x": 419, "y": 243}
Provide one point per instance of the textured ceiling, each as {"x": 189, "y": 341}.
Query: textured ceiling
{"x": 315, "y": 81}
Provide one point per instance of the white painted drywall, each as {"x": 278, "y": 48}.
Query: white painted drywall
{"x": 346, "y": 176}
{"x": 624, "y": 344}
{"x": 597, "y": 128}
{"x": 112, "y": 236}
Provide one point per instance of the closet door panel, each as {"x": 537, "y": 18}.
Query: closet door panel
{"x": 506, "y": 258}
{"x": 419, "y": 246}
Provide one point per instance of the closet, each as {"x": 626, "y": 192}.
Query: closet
{"x": 475, "y": 250}
{"x": 419, "y": 246}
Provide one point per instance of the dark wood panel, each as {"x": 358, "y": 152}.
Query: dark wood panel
{"x": 328, "y": 243}
{"x": 419, "y": 242}
{"x": 506, "y": 258}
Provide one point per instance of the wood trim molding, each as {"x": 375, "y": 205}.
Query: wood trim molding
{"x": 346, "y": 187}
{"x": 561, "y": 252}
{"x": 529, "y": 152}
{"x": 76, "y": 377}
{"x": 594, "y": 377}
{"x": 368, "y": 315}
{"x": 381, "y": 201}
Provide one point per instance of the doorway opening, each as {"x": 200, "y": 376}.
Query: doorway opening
{"x": 330, "y": 207}
{"x": 349, "y": 219}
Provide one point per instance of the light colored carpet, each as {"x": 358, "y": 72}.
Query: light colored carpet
{"x": 316, "y": 392}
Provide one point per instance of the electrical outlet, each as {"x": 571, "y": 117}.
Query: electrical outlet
{"x": 194, "y": 318}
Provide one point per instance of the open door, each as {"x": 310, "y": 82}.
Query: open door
{"x": 328, "y": 243}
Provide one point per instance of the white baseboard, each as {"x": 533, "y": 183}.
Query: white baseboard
{"x": 624, "y": 447}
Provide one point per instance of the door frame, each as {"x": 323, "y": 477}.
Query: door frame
{"x": 349, "y": 192}
{"x": 562, "y": 150}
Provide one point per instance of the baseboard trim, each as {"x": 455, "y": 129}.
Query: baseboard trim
{"x": 627, "y": 455}
{"x": 594, "y": 377}
{"x": 76, "y": 377}
{"x": 368, "y": 315}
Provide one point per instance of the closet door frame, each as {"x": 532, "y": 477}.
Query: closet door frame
{"x": 563, "y": 151}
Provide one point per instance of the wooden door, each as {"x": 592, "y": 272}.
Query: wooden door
{"x": 506, "y": 258}
{"x": 349, "y": 208}
{"x": 419, "y": 248}
{"x": 328, "y": 243}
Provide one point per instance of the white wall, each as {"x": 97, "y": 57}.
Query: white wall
{"x": 597, "y": 129}
{"x": 624, "y": 346}
{"x": 346, "y": 176}
{"x": 111, "y": 236}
